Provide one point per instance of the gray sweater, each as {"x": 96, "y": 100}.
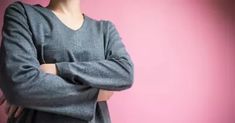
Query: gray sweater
{"x": 90, "y": 58}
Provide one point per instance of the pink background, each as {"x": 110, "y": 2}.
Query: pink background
{"x": 184, "y": 56}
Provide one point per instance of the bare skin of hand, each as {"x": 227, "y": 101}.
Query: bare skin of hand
{"x": 49, "y": 68}
{"x": 10, "y": 109}
{"x": 103, "y": 95}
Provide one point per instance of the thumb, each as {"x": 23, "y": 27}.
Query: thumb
{"x": 2, "y": 99}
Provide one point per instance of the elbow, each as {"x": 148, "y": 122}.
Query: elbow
{"x": 12, "y": 95}
{"x": 9, "y": 90}
{"x": 17, "y": 96}
{"x": 17, "y": 87}
{"x": 13, "y": 99}
{"x": 128, "y": 78}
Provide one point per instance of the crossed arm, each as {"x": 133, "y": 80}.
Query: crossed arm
{"x": 13, "y": 110}
{"x": 25, "y": 84}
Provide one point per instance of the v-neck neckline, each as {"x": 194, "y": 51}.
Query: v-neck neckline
{"x": 85, "y": 19}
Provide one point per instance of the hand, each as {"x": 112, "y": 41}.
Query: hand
{"x": 10, "y": 109}
{"x": 49, "y": 68}
{"x": 2, "y": 99}
{"x": 104, "y": 95}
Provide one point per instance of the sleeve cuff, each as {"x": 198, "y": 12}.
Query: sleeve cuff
{"x": 61, "y": 69}
{"x": 92, "y": 104}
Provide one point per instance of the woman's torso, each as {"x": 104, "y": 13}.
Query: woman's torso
{"x": 55, "y": 42}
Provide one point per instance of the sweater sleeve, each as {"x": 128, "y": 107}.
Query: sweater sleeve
{"x": 114, "y": 73}
{"x": 24, "y": 84}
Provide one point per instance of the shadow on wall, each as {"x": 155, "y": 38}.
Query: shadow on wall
{"x": 166, "y": 92}
{"x": 227, "y": 7}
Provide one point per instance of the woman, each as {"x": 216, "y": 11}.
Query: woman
{"x": 59, "y": 65}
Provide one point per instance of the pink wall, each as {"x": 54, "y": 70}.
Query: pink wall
{"x": 184, "y": 56}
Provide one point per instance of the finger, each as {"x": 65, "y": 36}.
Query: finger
{"x": 107, "y": 95}
{"x": 110, "y": 95}
{"x": 6, "y": 106}
{"x": 104, "y": 95}
{"x": 42, "y": 67}
{"x": 12, "y": 110}
{"x": 2, "y": 99}
{"x": 18, "y": 112}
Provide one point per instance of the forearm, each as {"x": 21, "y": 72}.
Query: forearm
{"x": 115, "y": 72}
{"x": 104, "y": 74}
{"x": 24, "y": 84}
{"x": 52, "y": 94}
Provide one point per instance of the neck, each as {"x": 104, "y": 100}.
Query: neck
{"x": 68, "y": 7}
